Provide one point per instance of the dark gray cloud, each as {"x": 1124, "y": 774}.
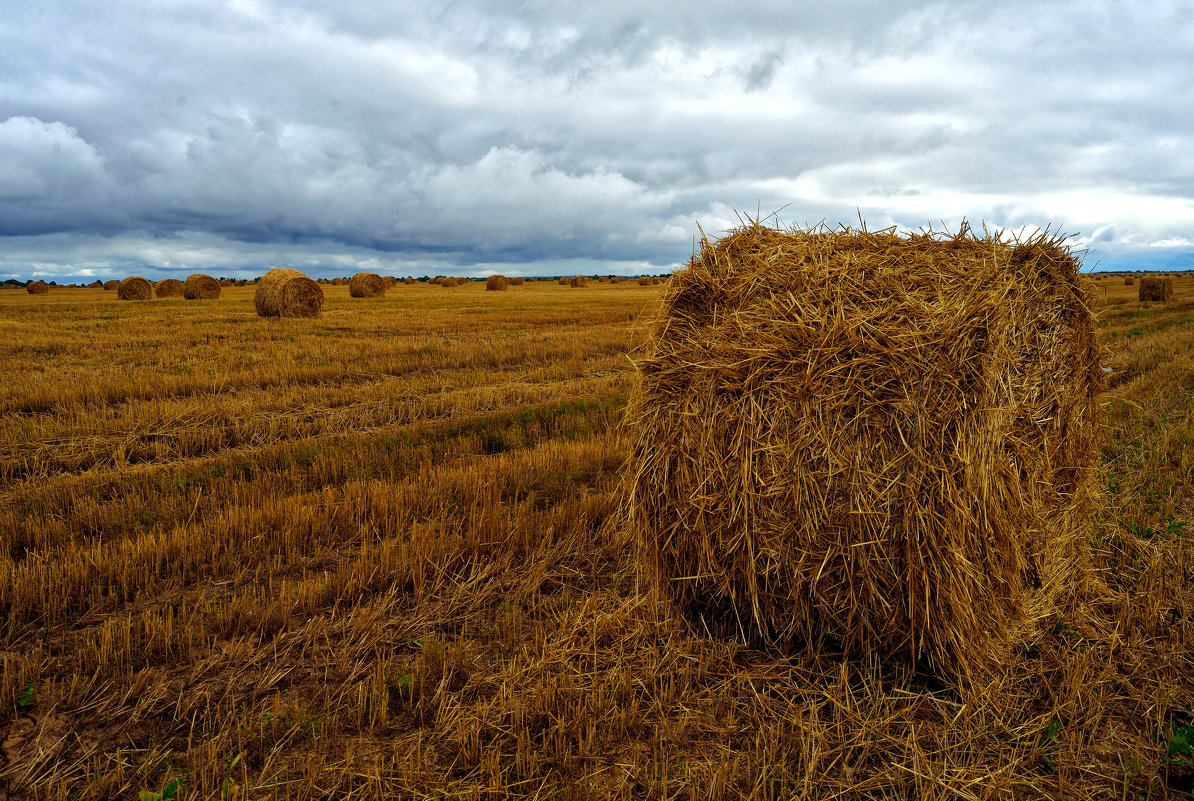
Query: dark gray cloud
{"x": 233, "y": 134}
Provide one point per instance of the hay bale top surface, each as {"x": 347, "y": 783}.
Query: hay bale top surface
{"x": 287, "y": 293}
{"x": 134, "y": 288}
{"x": 881, "y": 442}
{"x": 497, "y": 283}
{"x": 200, "y": 287}
{"x": 37, "y": 288}
{"x": 168, "y": 288}
{"x": 366, "y": 285}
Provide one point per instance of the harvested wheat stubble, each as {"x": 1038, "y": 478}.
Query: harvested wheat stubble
{"x": 168, "y": 288}
{"x": 497, "y": 283}
{"x": 134, "y": 288}
{"x": 578, "y": 281}
{"x": 1155, "y": 288}
{"x": 37, "y": 288}
{"x": 200, "y": 287}
{"x": 287, "y": 293}
{"x": 366, "y": 285}
{"x": 881, "y": 442}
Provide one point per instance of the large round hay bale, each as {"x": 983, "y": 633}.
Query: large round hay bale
{"x": 168, "y": 288}
{"x": 578, "y": 281}
{"x": 517, "y": 280}
{"x": 287, "y": 293}
{"x": 883, "y": 443}
{"x": 495, "y": 283}
{"x": 644, "y": 280}
{"x": 1155, "y": 288}
{"x": 134, "y": 288}
{"x": 113, "y": 284}
{"x": 389, "y": 281}
{"x": 366, "y": 285}
{"x": 200, "y": 287}
{"x": 37, "y": 288}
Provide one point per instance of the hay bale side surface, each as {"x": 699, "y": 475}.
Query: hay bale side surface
{"x": 644, "y": 280}
{"x": 366, "y": 285}
{"x": 37, "y": 288}
{"x": 113, "y": 284}
{"x": 517, "y": 281}
{"x": 200, "y": 287}
{"x": 578, "y": 281}
{"x": 497, "y": 283}
{"x": 134, "y": 288}
{"x": 287, "y": 293}
{"x": 1154, "y": 288}
{"x": 168, "y": 288}
{"x": 409, "y": 281}
{"x": 879, "y": 443}
{"x": 1128, "y": 281}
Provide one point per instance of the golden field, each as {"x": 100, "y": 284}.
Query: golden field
{"x": 376, "y": 555}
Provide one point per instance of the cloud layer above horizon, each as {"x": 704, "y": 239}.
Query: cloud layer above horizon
{"x": 231, "y": 135}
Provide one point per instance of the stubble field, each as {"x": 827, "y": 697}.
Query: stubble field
{"x": 376, "y": 555}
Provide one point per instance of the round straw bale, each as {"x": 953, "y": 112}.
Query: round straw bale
{"x": 225, "y": 282}
{"x": 517, "y": 280}
{"x": 96, "y": 285}
{"x": 366, "y": 285}
{"x": 1129, "y": 281}
{"x": 497, "y": 283}
{"x": 883, "y": 443}
{"x": 134, "y": 288}
{"x": 1155, "y": 288}
{"x": 578, "y": 281}
{"x": 200, "y": 287}
{"x": 287, "y": 293}
{"x": 113, "y": 284}
{"x": 390, "y": 281}
{"x": 408, "y": 281}
{"x": 644, "y": 280}
{"x": 337, "y": 282}
{"x": 37, "y": 288}
{"x": 564, "y": 282}
{"x": 168, "y": 288}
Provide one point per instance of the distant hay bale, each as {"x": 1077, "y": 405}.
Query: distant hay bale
{"x": 878, "y": 442}
{"x": 447, "y": 281}
{"x": 168, "y": 288}
{"x": 1155, "y": 288}
{"x": 578, "y": 281}
{"x": 497, "y": 283}
{"x": 564, "y": 282}
{"x": 408, "y": 281}
{"x": 517, "y": 281}
{"x": 366, "y": 285}
{"x": 96, "y": 285}
{"x": 337, "y": 282}
{"x": 287, "y": 293}
{"x": 389, "y": 281}
{"x": 644, "y": 280}
{"x": 225, "y": 282}
{"x": 240, "y": 282}
{"x": 1129, "y": 281}
{"x": 134, "y": 288}
{"x": 200, "y": 287}
{"x": 37, "y": 288}
{"x": 113, "y": 284}
{"x": 613, "y": 279}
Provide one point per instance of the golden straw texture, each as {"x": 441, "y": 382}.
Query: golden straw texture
{"x": 287, "y": 293}
{"x": 168, "y": 288}
{"x": 497, "y": 283}
{"x": 37, "y": 288}
{"x": 880, "y": 442}
{"x": 200, "y": 287}
{"x": 134, "y": 288}
{"x": 366, "y": 285}
{"x": 1155, "y": 288}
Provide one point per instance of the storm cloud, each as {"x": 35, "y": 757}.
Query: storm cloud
{"x": 543, "y": 138}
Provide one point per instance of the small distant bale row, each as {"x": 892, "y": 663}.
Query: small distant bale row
{"x": 168, "y": 288}
{"x": 1153, "y": 288}
{"x": 200, "y": 287}
{"x": 37, "y": 288}
{"x": 366, "y": 285}
{"x": 287, "y": 293}
{"x": 497, "y": 283}
{"x": 134, "y": 288}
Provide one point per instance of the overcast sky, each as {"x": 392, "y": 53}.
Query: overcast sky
{"x": 168, "y": 136}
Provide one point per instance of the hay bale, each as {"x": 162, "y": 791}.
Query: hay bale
{"x": 168, "y": 288}
{"x": 517, "y": 281}
{"x": 1129, "y": 281}
{"x": 1155, "y": 288}
{"x": 613, "y": 279}
{"x": 564, "y": 282}
{"x": 226, "y": 282}
{"x": 134, "y": 288}
{"x": 113, "y": 284}
{"x": 409, "y": 281}
{"x": 578, "y": 281}
{"x": 96, "y": 285}
{"x": 389, "y": 281}
{"x": 240, "y": 282}
{"x": 200, "y": 287}
{"x": 337, "y": 282}
{"x": 497, "y": 283}
{"x": 880, "y": 442}
{"x": 37, "y": 288}
{"x": 644, "y": 280}
{"x": 366, "y": 285}
{"x": 287, "y": 293}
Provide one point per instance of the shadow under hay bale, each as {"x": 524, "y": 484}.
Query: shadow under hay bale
{"x": 134, "y": 288}
{"x": 37, "y": 288}
{"x": 1153, "y": 288}
{"x": 497, "y": 283}
{"x": 366, "y": 285}
{"x": 168, "y": 288}
{"x": 881, "y": 442}
{"x": 200, "y": 287}
{"x": 287, "y": 293}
